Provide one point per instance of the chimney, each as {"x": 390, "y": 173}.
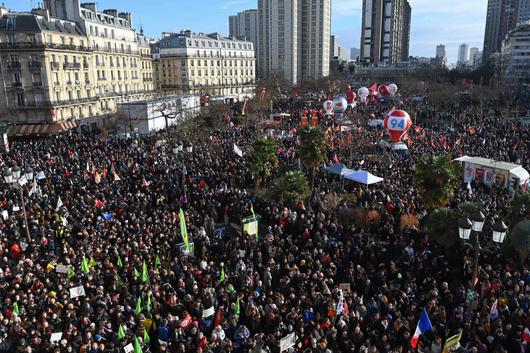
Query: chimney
{"x": 126, "y": 16}
{"x": 90, "y": 6}
{"x": 42, "y": 12}
{"x": 111, "y": 12}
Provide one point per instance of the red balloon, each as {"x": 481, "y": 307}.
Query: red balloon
{"x": 383, "y": 90}
{"x": 398, "y": 123}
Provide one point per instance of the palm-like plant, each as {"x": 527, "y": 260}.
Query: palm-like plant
{"x": 263, "y": 156}
{"x": 520, "y": 239}
{"x": 291, "y": 188}
{"x": 437, "y": 179}
{"x": 520, "y": 207}
{"x": 312, "y": 149}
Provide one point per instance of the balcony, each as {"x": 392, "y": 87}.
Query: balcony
{"x": 34, "y": 64}
{"x": 69, "y": 83}
{"x": 85, "y": 65}
{"x": 14, "y": 65}
{"x": 87, "y": 82}
{"x": 17, "y": 84}
{"x": 55, "y": 65}
{"x": 37, "y": 84}
{"x": 38, "y": 45}
{"x": 71, "y": 66}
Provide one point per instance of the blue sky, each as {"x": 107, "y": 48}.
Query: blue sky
{"x": 448, "y": 22}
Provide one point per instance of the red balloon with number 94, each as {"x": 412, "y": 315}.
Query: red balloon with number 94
{"x": 398, "y": 123}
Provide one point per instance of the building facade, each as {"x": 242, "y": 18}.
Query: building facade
{"x": 192, "y": 63}
{"x": 354, "y": 54}
{"x": 440, "y": 51}
{"x": 515, "y": 56}
{"x": 334, "y": 46}
{"x": 244, "y": 26}
{"x": 385, "y": 31}
{"x": 70, "y": 62}
{"x": 502, "y": 16}
{"x": 462, "y": 54}
{"x": 294, "y": 39}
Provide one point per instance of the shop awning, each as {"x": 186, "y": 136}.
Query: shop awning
{"x": 40, "y": 129}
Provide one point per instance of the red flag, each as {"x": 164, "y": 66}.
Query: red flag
{"x": 458, "y": 141}
{"x": 417, "y": 128}
{"x": 525, "y": 183}
{"x": 373, "y": 87}
{"x": 104, "y": 172}
{"x": 219, "y": 318}
{"x": 99, "y": 203}
{"x": 335, "y": 159}
{"x": 526, "y": 335}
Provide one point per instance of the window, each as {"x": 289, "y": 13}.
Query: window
{"x": 11, "y": 39}
{"x": 50, "y": 39}
{"x": 17, "y": 78}
{"x": 36, "y": 77}
{"x": 38, "y": 97}
{"x": 20, "y": 99}
{"x": 62, "y": 41}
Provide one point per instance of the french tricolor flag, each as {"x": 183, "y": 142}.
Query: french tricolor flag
{"x": 423, "y": 326}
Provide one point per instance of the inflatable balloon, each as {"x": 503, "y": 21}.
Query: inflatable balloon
{"x": 339, "y": 105}
{"x": 392, "y": 89}
{"x": 398, "y": 123}
{"x": 383, "y": 90}
{"x": 363, "y": 92}
{"x": 328, "y": 107}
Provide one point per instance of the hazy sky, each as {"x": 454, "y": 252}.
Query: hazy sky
{"x": 448, "y": 22}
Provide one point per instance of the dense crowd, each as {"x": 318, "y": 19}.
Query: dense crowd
{"x": 117, "y": 231}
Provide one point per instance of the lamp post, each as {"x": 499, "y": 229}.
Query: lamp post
{"x": 476, "y": 224}
{"x": 13, "y": 177}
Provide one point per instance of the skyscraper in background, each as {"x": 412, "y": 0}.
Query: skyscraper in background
{"x": 440, "y": 51}
{"x": 502, "y": 16}
{"x": 244, "y": 26}
{"x": 294, "y": 38}
{"x": 462, "y": 54}
{"x": 385, "y": 34}
{"x": 334, "y": 43}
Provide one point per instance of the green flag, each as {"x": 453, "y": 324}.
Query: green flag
{"x": 157, "y": 261}
{"x": 121, "y": 333}
{"x": 70, "y": 272}
{"x": 119, "y": 263}
{"x": 15, "y": 308}
{"x": 136, "y": 345}
{"x": 118, "y": 279}
{"x": 254, "y": 215}
{"x": 138, "y": 308}
{"x": 146, "y": 337}
{"x": 145, "y": 276}
{"x": 84, "y": 266}
{"x": 223, "y": 277}
{"x": 136, "y": 274}
{"x": 92, "y": 262}
{"x": 183, "y": 228}
{"x": 237, "y": 308}
{"x": 148, "y": 305}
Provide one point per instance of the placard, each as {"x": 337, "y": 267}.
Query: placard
{"x": 219, "y": 233}
{"x": 208, "y": 312}
{"x": 345, "y": 287}
{"x": 287, "y": 342}
{"x": 61, "y": 268}
{"x": 188, "y": 251}
{"x": 77, "y": 292}
{"x": 128, "y": 348}
{"x": 56, "y": 337}
{"x": 5, "y": 215}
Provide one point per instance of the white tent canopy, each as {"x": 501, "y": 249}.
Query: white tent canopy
{"x": 363, "y": 177}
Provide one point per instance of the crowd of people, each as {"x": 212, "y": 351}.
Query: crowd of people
{"x": 106, "y": 215}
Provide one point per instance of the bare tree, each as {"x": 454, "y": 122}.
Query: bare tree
{"x": 169, "y": 109}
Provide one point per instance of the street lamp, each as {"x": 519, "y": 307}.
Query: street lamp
{"x": 465, "y": 226}
{"x": 12, "y": 177}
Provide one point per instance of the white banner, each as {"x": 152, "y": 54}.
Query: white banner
{"x": 287, "y": 342}
{"x": 208, "y": 312}
{"x": 61, "y": 268}
{"x": 56, "y": 337}
{"x": 238, "y": 150}
{"x": 77, "y": 292}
